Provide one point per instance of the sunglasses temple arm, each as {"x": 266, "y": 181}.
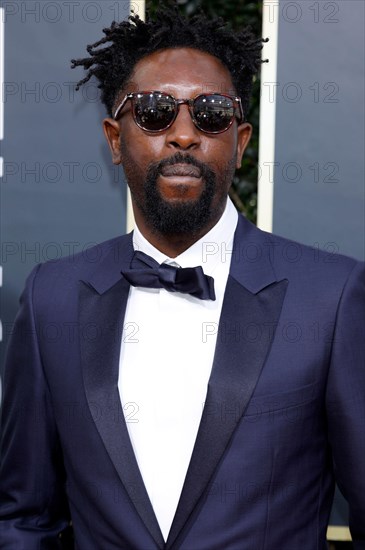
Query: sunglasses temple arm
{"x": 240, "y": 109}
{"x": 120, "y": 106}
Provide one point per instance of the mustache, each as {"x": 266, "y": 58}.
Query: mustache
{"x": 156, "y": 168}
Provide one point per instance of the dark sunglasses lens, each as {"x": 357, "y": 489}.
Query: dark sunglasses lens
{"x": 154, "y": 111}
{"x": 213, "y": 112}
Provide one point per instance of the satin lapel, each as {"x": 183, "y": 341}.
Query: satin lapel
{"x": 101, "y": 315}
{"x": 237, "y": 365}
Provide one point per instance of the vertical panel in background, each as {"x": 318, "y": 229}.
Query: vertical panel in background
{"x": 265, "y": 187}
{"x": 59, "y": 191}
{"x": 2, "y": 56}
{"x": 319, "y": 149}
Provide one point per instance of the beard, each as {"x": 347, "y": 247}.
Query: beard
{"x": 179, "y": 217}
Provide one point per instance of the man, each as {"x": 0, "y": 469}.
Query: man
{"x": 181, "y": 407}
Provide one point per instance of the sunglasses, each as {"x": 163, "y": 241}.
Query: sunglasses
{"x": 155, "y": 111}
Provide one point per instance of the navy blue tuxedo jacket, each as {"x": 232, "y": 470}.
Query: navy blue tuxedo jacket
{"x": 284, "y": 414}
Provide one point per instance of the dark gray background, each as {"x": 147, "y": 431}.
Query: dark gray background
{"x": 60, "y": 192}
{"x": 319, "y": 145}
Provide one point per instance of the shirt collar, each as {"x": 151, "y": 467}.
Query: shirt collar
{"x": 207, "y": 251}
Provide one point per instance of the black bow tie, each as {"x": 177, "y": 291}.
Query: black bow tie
{"x": 146, "y": 272}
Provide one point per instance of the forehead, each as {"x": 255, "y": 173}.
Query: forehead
{"x": 184, "y": 72}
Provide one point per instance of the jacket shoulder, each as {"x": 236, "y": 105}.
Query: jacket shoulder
{"x": 58, "y": 281}
{"x": 83, "y": 264}
{"x": 289, "y": 255}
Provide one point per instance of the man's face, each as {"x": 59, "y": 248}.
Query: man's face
{"x": 179, "y": 178}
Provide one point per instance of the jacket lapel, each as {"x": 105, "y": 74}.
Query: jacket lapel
{"x": 253, "y": 298}
{"x": 102, "y": 304}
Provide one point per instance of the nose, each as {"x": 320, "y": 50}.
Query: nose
{"x": 183, "y": 134}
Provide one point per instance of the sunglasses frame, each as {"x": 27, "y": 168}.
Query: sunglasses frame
{"x": 190, "y": 102}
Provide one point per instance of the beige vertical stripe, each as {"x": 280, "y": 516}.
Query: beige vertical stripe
{"x": 138, "y": 6}
{"x": 265, "y": 191}
{"x": 338, "y": 533}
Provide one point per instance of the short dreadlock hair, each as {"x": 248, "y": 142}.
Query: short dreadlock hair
{"x": 133, "y": 39}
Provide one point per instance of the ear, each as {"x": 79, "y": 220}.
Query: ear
{"x": 244, "y": 132}
{"x": 112, "y": 133}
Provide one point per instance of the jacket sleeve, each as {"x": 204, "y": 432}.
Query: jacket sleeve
{"x": 33, "y": 505}
{"x": 346, "y": 401}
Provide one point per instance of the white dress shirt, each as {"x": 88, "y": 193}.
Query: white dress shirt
{"x": 166, "y": 357}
